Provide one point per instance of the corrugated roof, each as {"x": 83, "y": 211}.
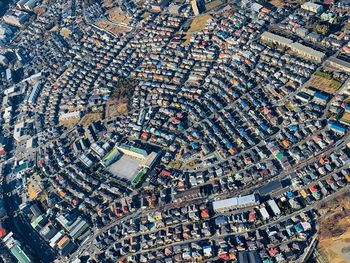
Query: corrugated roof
{"x": 234, "y": 201}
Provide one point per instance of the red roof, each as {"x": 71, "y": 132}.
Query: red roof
{"x": 313, "y": 188}
{"x": 144, "y": 135}
{"x": 252, "y": 216}
{"x": 2, "y": 152}
{"x": 205, "y": 213}
{"x": 116, "y": 211}
{"x": 273, "y": 251}
{"x": 165, "y": 173}
{"x": 125, "y": 208}
{"x": 224, "y": 256}
{"x": 2, "y": 232}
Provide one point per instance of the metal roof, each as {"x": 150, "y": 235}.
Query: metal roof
{"x": 235, "y": 202}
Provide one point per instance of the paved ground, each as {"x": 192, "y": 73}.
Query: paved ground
{"x": 126, "y": 167}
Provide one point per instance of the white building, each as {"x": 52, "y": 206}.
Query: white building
{"x": 275, "y": 209}
{"x": 222, "y": 206}
{"x": 264, "y": 214}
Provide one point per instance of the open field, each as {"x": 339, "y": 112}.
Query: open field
{"x": 90, "y": 117}
{"x": 32, "y": 191}
{"x": 69, "y": 123}
{"x": 198, "y": 23}
{"x": 187, "y": 39}
{"x": 110, "y": 27}
{"x": 324, "y": 81}
{"x": 146, "y": 15}
{"x": 118, "y": 103}
{"x": 117, "y": 15}
{"x": 334, "y": 230}
{"x": 345, "y": 118}
{"x": 191, "y": 164}
{"x": 34, "y": 187}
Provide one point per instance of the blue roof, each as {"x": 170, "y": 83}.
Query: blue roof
{"x": 290, "y": 194}
{"x": 321, "y": 96}
{"x": 194, "y": 145}
{"x": 240, "y": 86}
{"x": 244, "y": 102}
{"x": 337, "y": 126}
{"x": 294, "y": 127}
{"x": 215, "y": 128}
{"x": 299, "y": 228}
{"x": 263, "y": 126}
{"x": 256, "y": 103}
{"x": 293, "y": 138}
{"x": 229, "y": 145}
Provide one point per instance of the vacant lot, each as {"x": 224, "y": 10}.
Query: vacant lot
{"x": 90, "y": 117}
{"x": 110, "y": 27}
{"x": 198, "y": 23}
{"x": 65, "y": 32}
{"x": 334, "y": 234}
{"x": 108, "y": 3}
{"x": 324, "y": 81}
{"x": 70, "y": 122}
{"x": 118, "y": 103}
{"x": 345, "y": 118}
{"x": 117, "y": 15}
{"x": 213, "y": 4}
{"x": 277, "y": 3}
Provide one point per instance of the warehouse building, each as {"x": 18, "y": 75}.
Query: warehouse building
{"x": 233, "y": 203}
{"x": 264, "y": 214}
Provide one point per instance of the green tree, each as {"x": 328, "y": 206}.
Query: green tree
{"x": 322, "y": 29}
